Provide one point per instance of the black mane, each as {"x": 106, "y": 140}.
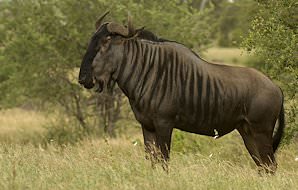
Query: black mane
{"x": 148, "y": 35}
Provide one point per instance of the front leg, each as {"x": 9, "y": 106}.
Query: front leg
{"x": 150, "y": 142}
{"x": 164, "y": 129}
{"x": 164, "y": 143}
{"x": 157, "y": 142}
{"x": 157, "y": 145}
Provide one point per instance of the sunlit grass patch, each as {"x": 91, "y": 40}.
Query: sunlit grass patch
{"x": 229, "y": 56}
{"x": 19, "y": 120}
{"x": 18, "y": 125}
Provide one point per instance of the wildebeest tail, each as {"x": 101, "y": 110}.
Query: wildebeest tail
{"x": 280, "y": 130}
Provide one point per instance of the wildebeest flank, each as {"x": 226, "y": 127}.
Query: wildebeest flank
{"x": 169, "y": 86}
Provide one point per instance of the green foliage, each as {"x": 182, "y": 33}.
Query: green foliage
{"x": 273, "y": 37}
{"x": 186, "y": 143}
{"x": 63, "y": 133}
{"x": 38, "y": 53}
{"x": 234, "y": 20}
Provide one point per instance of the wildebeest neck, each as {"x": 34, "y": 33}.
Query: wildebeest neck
{"x": 148, "y": 62}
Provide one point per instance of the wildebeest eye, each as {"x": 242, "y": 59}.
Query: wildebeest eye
{"x": 103, "y": 43}
{"x": 106, "y": 39}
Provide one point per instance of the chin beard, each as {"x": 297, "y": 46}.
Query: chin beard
{"x": 99, "y": 85}
{"x": 104, "y": 85}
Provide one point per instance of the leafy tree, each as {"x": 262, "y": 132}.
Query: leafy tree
{"x": 273, "y": 37}
{"x": 234, "y": 21}
{"x": 231, "y": 19}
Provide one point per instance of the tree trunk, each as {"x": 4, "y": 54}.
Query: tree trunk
{"x": 203, "y": 4}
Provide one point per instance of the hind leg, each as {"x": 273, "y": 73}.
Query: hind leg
{"x": 261, "y": 118}
{"x": 264, "y": 145}
{"x": 250, "y": 143}
{"x": 259, "y": 146}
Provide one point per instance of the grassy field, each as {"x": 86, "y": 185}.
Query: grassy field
{"x": 197, "y": 162}
{"x": 119, "y": 163}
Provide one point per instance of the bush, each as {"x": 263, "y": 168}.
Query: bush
{"x": 63, "y": 133}
{"x": 273, "y": 38}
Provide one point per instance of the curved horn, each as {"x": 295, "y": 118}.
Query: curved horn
{"x": 99, "y": 21}
{"x": 131, "y": 29}
{"x": 118, "y": 29}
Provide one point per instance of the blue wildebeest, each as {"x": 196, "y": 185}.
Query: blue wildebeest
{"x": 169, "y": 86}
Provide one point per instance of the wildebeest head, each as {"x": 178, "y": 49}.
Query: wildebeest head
{"x": 104, "y": 52}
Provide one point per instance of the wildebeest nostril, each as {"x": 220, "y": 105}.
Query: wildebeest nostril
{"x": 82, "y": 79}
{"x": 89, "y": 85}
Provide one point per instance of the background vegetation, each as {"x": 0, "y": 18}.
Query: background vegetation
{"x": 56, "y": 135}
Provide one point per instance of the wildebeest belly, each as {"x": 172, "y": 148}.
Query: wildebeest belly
{"x": 198, "y": 126}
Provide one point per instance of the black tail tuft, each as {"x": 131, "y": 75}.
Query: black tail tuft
{"x": 280, "y": 130}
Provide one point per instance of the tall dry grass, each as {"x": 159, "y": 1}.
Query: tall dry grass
{"x": 119, "y": 164}
{"x": 196, "y": 162}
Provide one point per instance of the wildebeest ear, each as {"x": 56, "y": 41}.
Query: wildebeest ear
{"x": 138, "y": 30}
{"x": 99, "y": 21}
{"x": 117, "y": 29}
